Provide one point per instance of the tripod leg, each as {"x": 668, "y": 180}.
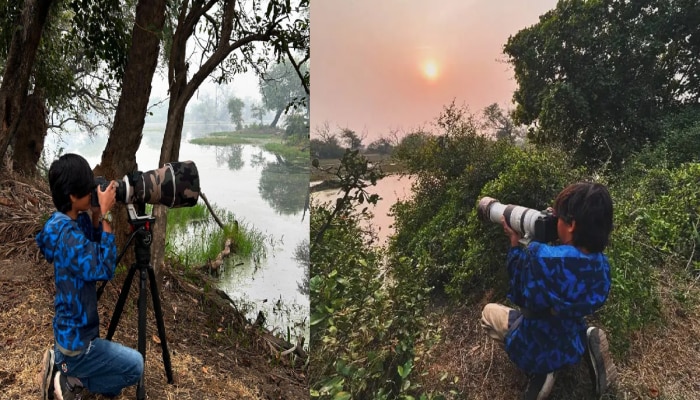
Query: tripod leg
{"x": 141, "y": 388}
{"x": 120, "y": 303}
{"x": 161, "y": 325}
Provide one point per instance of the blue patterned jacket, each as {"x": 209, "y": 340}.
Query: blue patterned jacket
{"x": 556, "y": 286}
{"x": 81, "y": 255}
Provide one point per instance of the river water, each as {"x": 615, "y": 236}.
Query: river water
{"x": 263, "y": 194}
{"x": 390, "y": 189}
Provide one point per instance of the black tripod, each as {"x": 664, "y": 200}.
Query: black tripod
{"x": 141, "y": 225}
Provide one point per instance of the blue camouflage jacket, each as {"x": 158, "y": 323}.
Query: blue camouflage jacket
{"x": 81, "y": 255}
{"x": 556, "y": 286}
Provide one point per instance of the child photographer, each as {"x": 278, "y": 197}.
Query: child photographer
{"x": 555, "y": 287}
{"x": 83, "y": 251}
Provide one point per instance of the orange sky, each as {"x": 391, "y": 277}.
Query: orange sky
{"x": 369, "y": 59}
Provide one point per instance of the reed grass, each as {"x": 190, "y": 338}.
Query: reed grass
{"x": 289, "y": 153}
{"x": 193, "y": 237}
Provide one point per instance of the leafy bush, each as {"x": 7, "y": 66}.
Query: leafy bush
{"x": 366, "y": 316}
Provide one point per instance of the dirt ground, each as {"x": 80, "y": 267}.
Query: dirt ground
{"x": 663, "y": 362}
{"x": 215, "y": 353}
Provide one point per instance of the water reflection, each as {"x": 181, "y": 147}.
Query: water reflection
{"x": 231, "y": 155}
{"x": 390, "y": 189}
{"x": 301, "y": 256}
{"x": 284, "y": 187}
{"x": 258, "y": 159}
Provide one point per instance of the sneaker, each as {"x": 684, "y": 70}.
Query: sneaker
{"x": 48, "y": 369}
{"x": 600, "y": 362}
{"x": 64, "y": 391}
{"x": 539, "y": 387}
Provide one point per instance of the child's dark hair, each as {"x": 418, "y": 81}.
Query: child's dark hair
{"x": 70, "y": 174}
{"x": 590, "y": 205}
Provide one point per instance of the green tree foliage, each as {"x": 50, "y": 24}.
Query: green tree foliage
{"x": 352, "y": 140}
{"x": 327, "y": 145}
{"x": 657, "y": 214}
{"x": 366, "y": 317}
{"x": 499, "y": 124}
{"x": 380, "y": 146}
{"x": 235, "y": 110}
{"x": 679, "y": 144}
{"x": 80, "y": 61}
{"x": 595, "y": 76}
{"x": 410, "y": 147}
{"x": 281, "y": 88}
{"x": 296, "y": 128}
{"x": 259, "y": 112}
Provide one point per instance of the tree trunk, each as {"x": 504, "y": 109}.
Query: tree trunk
{"x": 31, "y": 133}
{"x": 170, "y": 151}
{"x": 18, "y": 69}
{"x": 273, "y": 124}
{"x": 119, "y": 156}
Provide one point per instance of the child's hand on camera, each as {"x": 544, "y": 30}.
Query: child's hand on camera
{"x": 107, "y": 197}
{"x": 512, "y": 235}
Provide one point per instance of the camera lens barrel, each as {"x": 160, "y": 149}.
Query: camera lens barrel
{"x": 536, "y": 225}
{"x": 174, "y": 185}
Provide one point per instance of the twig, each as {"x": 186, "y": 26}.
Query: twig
{"x": 490, "y": 364}
{"x": 286, "y": 379}
{"x": 211, "y": 210}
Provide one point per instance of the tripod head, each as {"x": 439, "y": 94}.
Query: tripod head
{"x": 141, "y": 225}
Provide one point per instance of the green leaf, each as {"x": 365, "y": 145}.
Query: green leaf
{"x": 342, "y": 396}
{"x": 316, "y": 318}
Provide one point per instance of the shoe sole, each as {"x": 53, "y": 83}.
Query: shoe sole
{"x": 48, "y": 367}
{"x": 546, "y": 387}
{"x": 57, "y": 392}
{"x": 596, "y": 341}
{"x": 544, "y": 390}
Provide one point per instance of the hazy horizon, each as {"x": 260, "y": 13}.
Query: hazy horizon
{"x": 394, "y": 64}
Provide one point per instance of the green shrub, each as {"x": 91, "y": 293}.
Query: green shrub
{"x": 366, "y": 315}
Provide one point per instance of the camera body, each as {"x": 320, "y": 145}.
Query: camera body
{"x": 102, "y": 183}
{"x": 540, "y": 226}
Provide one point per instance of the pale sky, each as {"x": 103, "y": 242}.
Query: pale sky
{"x": 394, "y": 64}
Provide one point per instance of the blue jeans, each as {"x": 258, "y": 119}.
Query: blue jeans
{"x": 104, "y": 367}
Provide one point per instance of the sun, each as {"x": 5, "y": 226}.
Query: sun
{"x": 431, "y": 70}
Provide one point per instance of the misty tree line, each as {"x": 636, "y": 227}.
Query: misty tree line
{"x": 494, "y": 121}
{"x": 284, "y": 104}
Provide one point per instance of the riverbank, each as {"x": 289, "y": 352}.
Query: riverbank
{"x": 271, "y": 139}
{"x": 327, "y": 166}
{"x": 215, "y": 352}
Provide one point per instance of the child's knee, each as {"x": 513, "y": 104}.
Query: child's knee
{"x": 135, "y": 369}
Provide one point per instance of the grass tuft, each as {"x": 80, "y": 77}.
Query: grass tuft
{"x": 194, "y": 238}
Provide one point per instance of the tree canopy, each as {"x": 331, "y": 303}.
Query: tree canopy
{"x": 281, "y": 88}
{"x": 595, "y": 76}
